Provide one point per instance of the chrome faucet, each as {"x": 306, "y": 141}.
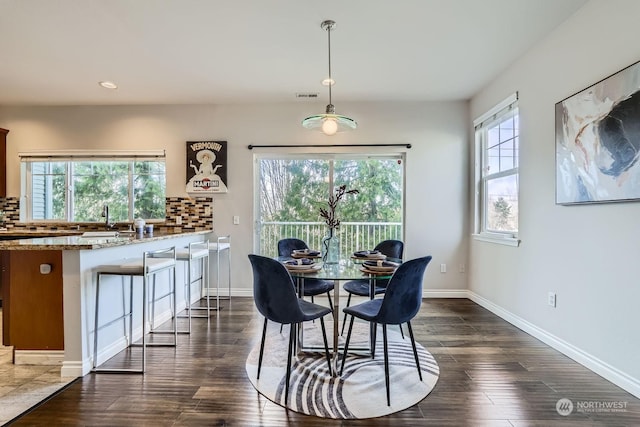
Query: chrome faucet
{"x": 105, "y": 213}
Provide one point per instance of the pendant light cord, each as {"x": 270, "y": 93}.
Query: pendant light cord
{"x": 330, "y": 78}
{"x": 329, "y": 122}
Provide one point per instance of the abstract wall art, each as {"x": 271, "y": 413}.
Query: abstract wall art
{"x": 598, "y": 141}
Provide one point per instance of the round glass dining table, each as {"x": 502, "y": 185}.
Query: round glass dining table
{"x": 346, "y": 269}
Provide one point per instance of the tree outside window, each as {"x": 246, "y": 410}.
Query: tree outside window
{"x": 498, "y": 140}
{"x": 291, "y": 192}
{"x": 76, "y": 190}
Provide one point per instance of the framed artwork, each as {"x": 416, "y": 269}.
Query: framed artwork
{"x": 206, "y": 167}
{"x": 598, "y": 141}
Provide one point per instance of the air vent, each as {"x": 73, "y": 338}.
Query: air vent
{"x": 306, "y": 95}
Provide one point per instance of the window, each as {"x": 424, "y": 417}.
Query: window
{"x": 74, "y": 189}
{"x": 497, "y": 143}
{"x": 290, "y": 190}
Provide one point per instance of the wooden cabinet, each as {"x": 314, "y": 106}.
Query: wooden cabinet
{"x": 3, "y": 162}
{"x": 4, "y": 259}
{"x": 32, "y": 317}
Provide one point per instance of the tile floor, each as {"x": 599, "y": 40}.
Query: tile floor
{"x": 23, "y": 386}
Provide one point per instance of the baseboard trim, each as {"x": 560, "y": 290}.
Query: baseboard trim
{"x": 244, "y": 292}
{"x": 107, "y": 352}
{"x": 444, "y": 293}
{"x": 426, "y": 293}
{"x": 608, "y": 372}
{"x": 75, "y": 368}
{"x": 38, "y": 357}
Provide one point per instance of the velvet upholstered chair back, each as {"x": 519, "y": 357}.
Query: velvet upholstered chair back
{"x": 286, "y": 246}
{"x": 403, "y": 297}
{"x": 391, "y": 248}
{"x": 273, "y": 291}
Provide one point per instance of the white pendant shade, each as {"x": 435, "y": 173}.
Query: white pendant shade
{"x": 329, "y": 123}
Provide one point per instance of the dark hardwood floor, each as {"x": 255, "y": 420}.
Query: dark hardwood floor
{"x": 491, "y": 374}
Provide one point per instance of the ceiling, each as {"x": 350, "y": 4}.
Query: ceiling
{"x": 258, "y": 51}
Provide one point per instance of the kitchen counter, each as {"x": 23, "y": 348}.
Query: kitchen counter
{"x": 77, "y": 242}
{"x": 57, "y": 327}
{"x": 12, "y": 233}
{"x": 36, "y": 233}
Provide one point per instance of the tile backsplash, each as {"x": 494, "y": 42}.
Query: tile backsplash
{"x": 196, "y": 215}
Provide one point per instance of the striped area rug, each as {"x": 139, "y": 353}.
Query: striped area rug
{"x": 359, "y": 392}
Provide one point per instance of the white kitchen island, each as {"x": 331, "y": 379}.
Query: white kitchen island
{"x": 80, "y": 256}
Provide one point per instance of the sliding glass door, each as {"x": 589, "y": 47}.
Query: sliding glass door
{"x": 290, "y": 191}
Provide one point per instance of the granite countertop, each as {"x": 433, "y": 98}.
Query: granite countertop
{"x": 66, "y": 242}
{"x": 38, "y": 233}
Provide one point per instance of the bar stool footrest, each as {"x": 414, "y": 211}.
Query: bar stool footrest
{"x": 168, "y": 332}
{"x": 154, "y": 344}
{"x": 117, "y": 371}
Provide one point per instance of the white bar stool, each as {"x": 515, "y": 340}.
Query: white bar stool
{"x": 222, "y": 243}
{"x": 194, "y": 252}
{"x": 151, "y": 263}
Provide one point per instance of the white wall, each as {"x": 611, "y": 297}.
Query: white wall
{"x": 587, "y": 254}
{"x": 436, "y": 179}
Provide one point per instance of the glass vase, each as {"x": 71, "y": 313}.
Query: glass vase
{"x": 331, "y": 247}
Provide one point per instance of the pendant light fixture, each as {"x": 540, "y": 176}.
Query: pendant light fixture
{"x": 329, "y": 122}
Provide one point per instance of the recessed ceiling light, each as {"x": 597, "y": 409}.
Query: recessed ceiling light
{"x": 328, "y": 82}
{"x": 108, "y": 85}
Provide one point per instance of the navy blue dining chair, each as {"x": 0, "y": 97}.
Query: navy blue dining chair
{"x": 312, "y": 287}
{"x": 275, "y": 298}
{"x": 401, "y": 302}
{"x": 361, "y": 287}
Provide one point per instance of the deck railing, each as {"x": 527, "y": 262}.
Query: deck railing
{"x": 353, "y": 236}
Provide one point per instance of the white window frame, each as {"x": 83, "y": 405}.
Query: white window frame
{"x": 330, "y": 157}
{"x": 482, "y": 124}
{"x": 69, "y": 158}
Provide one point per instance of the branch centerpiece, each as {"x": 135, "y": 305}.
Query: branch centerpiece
{"x": 331, "y": 244}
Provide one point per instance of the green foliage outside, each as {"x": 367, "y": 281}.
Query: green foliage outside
{"x": 503, "y": 214}
{"x": 96, "y": 183}
{"x": 292, "y": 192}
{"x": 379, "y": 182}
{"x": 295, "y": 190}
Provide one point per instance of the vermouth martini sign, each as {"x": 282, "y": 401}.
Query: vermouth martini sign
{"x": 206, "y": 167}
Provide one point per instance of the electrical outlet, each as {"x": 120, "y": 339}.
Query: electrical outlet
{"x": 236, "y": 219}
{"x": 551, "y": 299}
{"x": 462, "y": 268}
{"x": 443, "y": 268}
{"x": 178, "y": 220}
